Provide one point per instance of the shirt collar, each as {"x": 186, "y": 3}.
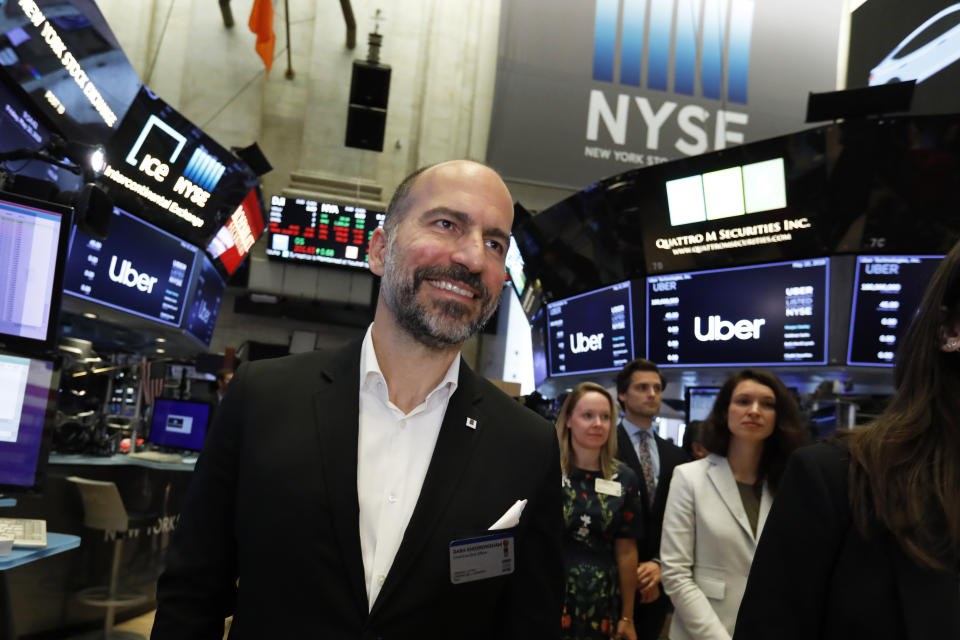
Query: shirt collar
{"x": 633, "y": 430}
{"x": 373, "y": 381}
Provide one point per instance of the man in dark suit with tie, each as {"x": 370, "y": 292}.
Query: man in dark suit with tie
{"x": 382, "y": 490}
{"x": 640, "y": 388}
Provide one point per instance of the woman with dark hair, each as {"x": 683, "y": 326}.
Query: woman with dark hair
{"x": 864, "y": 541}
{"x": 717, "y": 506}
{"x": 601, "y": 519}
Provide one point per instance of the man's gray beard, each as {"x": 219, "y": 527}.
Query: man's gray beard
{"x": 442, "y": 325}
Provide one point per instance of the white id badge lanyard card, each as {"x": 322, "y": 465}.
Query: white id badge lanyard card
{"x": 481, "y": 558}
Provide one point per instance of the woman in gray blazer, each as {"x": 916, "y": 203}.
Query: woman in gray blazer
{"x": 717, "y": 506}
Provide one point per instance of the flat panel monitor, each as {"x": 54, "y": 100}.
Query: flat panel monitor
{"x": 27, "y": 388}
{"x": 189, "y": 183}
{"x": 700, "y": 402}
{"x": 33, "y": 249}
{"x": 204, "y": 301}
{"x": 590, "y": 332}
{"x": 764, "y": 315}
{"x": 179, "y": 424}
{"x": 24, "y": 128}
{"x": 234, "y": 240}
{"x": 887, "y": 291}
{"x": 309, "y": 231}
{"x": 67, "y": 59}
{"x": 139, "y": 269}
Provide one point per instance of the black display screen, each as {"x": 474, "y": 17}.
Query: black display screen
{"x": 67, "y": 59}
{"x": 311, "y": 231}
{"x": 205, "y": 298}
{"x": 191, "y": 184}
{"x": 590, "y": 332}
{"x": 138, "y": 268}
{"x": 766, "y": 315}
{"x": 886, "y": 293}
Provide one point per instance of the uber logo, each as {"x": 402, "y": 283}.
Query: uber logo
{"x": 580, "y": 343}
{"x": 718, "y": 329}
{"x": 129, "y": 277}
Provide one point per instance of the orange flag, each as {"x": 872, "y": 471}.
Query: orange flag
{"x": 261, "y": 23}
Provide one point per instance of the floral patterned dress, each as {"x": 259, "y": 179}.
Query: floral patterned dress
{"x": 592, "y": 521}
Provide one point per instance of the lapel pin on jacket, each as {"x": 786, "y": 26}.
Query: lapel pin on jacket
{"x": 471, "y": 423}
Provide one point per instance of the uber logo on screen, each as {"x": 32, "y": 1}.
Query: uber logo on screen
{"x": 581, "y": 343}
{"x": 718, "y": 329}
{"x": 130, "y": 277}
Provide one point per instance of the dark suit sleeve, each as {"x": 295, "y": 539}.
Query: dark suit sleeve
{"x": 197, "y": 590}
{"x": 791, "y": 571}
{"x": 532, "y": 604}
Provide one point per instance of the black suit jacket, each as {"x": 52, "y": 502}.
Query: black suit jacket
{"x": 815, "y": 577}
{"x": 670, "y": 456}
{"x": 269, "y": 529}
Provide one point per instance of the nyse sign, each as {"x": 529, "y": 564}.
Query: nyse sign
{"x": 633, "y": 83}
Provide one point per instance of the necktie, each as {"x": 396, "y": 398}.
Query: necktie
{"x": 646, "y": 465}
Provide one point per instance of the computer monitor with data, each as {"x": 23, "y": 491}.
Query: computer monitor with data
{"x": 179, "y": 424}
{"x": 26, "y": 389}
{"x": 33, "y": 247}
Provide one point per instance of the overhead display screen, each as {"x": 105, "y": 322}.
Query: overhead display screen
{"x": 190, "y": 183}
{"x": 767, "y": 315}
{"x": 21, "y": 129}
{"x": 138, "y": 268}
{"x": 311, "y": 231}
{"x": 590, "y": 332}
{"x": 887, "y": 291}
{"x": 67, "y": 59}
{"x": 235, "y": 239}
{"x": 205, "y": 298}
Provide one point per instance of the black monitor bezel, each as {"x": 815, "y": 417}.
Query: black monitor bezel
{"x": 686, "y": 398}
{"x": 46, "y": 435}
{"x": 153, "y": 418}
{"x": 46, "y": 347}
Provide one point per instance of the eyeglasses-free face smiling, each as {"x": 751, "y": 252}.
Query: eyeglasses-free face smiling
{"x": 443, "y": 265}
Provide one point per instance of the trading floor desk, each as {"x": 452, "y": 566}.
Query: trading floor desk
{"x": 42, "y": 593}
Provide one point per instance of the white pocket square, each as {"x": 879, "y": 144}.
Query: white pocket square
{"x": 511, "y": 518}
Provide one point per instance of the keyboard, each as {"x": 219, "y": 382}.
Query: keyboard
{"x": 25, "y": 532}
{"x": 156, "y": 456}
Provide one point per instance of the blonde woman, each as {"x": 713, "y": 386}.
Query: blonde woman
{"x": 601, "y": 519}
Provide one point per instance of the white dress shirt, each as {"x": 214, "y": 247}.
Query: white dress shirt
{"x": 394, "y": 450}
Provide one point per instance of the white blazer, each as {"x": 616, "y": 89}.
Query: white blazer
{"x": 706, "y": 548}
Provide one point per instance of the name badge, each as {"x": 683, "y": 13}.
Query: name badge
{"x": 481, "y": 558}
{"x": 608, "y": 487}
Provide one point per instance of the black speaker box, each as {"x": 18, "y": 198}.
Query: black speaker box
{"x": 365, "y": 127}
{"x": 370, "y": 84}
{"x": 254, "y": 158}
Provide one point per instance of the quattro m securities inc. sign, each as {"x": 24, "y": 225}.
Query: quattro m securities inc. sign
{"x": 591, "y": 88}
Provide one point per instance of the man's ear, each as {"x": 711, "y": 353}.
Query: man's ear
{"x": 950, "y": 335}
{"x": 378, "y": 250}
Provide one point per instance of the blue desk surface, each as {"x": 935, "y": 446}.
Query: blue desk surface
{"x": 56, "y": 543}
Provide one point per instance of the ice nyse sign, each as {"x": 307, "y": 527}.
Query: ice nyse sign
{"x": 162, "y": 157}
{"x": 639, "y": 82}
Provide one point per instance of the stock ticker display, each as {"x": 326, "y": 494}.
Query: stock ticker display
{"x": 772, "y": 314}
{"x": 591, "y": 332}
{"x": 311, "y": 231}
{"x": 886, "y": 293}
